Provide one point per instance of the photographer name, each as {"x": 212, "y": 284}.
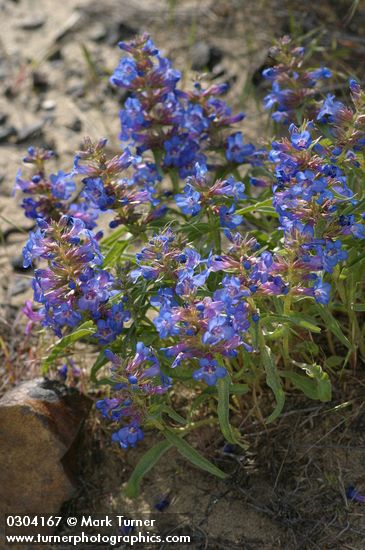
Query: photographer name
{"x": 119, "y": 521}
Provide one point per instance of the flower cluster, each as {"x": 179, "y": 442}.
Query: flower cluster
{"x": 211, "y": 272}
{"x": 74, "y": 287}
{"x": 50, "y": 197}
{"x": 181, "y": 126}
{"x": 133, "y": 381}
{"x": 220, "y": 198}
{"x": 293, "y": 88}
{"x": 124, "y": 184}
{"x": 310, "y": 191}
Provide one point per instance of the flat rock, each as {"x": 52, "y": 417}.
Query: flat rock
{"x": 39, "y": 424}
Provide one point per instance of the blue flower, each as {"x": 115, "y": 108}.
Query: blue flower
{"x": 125, "y": 74}
{"x": 166, "y": 324}
{"x": 332, "y": 255}
{"x": 329, "y": 109}
{"x": 219, "y": 329}
{"x": 209, "y": 372}
{"x": 128, "y": 436}
{"x": 322, "y": 291}
{"x": 237, "y": 151}
{"x": 62, "y": 186}
{"x": 189, "y": 201}
{"x": 228, "y": 218}
{"x": 95, "y": 192}
{"x": 321, "y": 73}
{"x": 301, "y": 140}
{"x": 64, "y": 315}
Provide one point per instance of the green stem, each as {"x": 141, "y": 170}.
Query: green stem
{"x": 286, "y": 338}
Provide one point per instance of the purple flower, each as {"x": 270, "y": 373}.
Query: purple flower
{"x": 237, "y": 151}
{"x": 321, "y": 291}
{"x": 209, "y": 372}
{"x": 228, "y": 218}
{"x": 128, "y": 436}
{"x": 125, "y": 74}
{"x": 219, "y": 328}
{"x": 329, "y": 109}
{"x": 189, "y": 201}
{"x": 352, "y": 494}
{"x": 94, "y": 292}
{"x": 95, "y": 192}
{"x": 62, "y": 186}
{"x": 300, "y": 140}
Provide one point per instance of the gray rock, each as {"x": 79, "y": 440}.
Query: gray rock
{"x": 7, "y": 132}
{"x": 32, "y": 23}
{"x": 205, "y": 56}
{"x": 75, "y": 125}
{"x": 30, "y": 132}
{"x": 39, "y": 424}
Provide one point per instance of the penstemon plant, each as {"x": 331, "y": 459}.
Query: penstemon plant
{"x": 224, "y": 264}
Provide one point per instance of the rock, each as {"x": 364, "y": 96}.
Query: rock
{"x": 98, "y": 33}
{"x": 204, "y": 56}
{"x": 17, "y": 264}
{"x": 48, "y": 105}
{"x": 19, "y": 286}
{"x": 7, "y": 132}
{"x": 39, "y": 424}
{"x": 75, "y": 125}
{"x": 120, "y": 31}
{"x": 40, "y": 81}
{"x": 32, "y": 23}
{"x": 76, "y": 89}
{"x": 30, "y": 132}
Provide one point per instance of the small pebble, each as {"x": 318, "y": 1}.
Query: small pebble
{"x": 32, "y": 23}
{"x": 75, "y": 125}
{"x": 48, "y": 105}
{"x": 40, "y": 81}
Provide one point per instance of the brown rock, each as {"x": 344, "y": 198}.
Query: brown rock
{"x": 39, "y": 424}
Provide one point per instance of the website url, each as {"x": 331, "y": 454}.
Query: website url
{"x": 83, "y": 538}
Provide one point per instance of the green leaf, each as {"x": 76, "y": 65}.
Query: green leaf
{"x": 113, "y": 237}
{"x": 315, "y": 385}
{"x": 333, "y": 325}
{"x": 238, "y": 389}
{"x": 356, "y": 260}
{"x": 86, "y": 329}
{"x": 173, "y": 414}
{"x": 114, "y": 253}
{"x": 264, "y": 207}
{"x": 272, "y": 380}
{"x": 302, "y": 321}
{"x": 101, "y": 360}
{"x": 188, "y": 452}
{"x": 148, "y": 460}
{"x": 223, "y": 385}
{"x": 334, "y": 361}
